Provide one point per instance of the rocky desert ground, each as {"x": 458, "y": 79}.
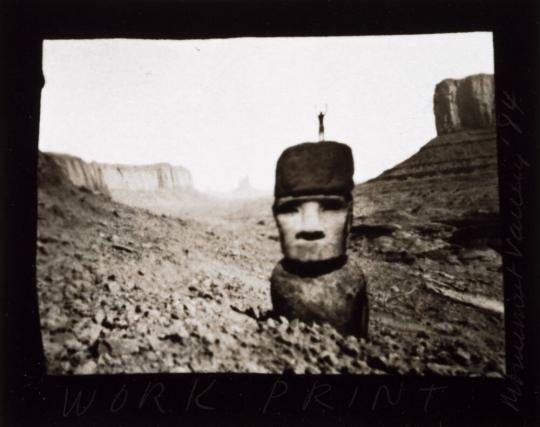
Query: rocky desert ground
{"x": 125, "y": 289}
{"x": 157, "y": 284}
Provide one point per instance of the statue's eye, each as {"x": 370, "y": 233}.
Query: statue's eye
{"x": 287, "y": 207}
{"x": 332, "y": 205}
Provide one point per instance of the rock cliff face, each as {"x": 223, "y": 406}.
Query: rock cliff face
{"x": 468, "y": 103}
{"x": 109, "y": 178}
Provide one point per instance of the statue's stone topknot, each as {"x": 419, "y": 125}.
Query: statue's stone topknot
{"x": 315, "y": 168}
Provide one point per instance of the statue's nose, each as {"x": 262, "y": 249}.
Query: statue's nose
{"x": 311, "y": 224}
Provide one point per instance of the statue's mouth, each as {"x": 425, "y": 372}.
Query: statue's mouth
{"x": 310, "y": 235}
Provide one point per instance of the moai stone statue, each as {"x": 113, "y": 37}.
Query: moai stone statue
{"x": 316, "y": 280}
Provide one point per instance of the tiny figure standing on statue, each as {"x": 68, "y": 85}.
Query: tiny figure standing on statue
{"x": 321, "y": 123}
{"x": 316, "y": 280}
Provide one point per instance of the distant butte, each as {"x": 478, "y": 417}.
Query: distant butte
{"x": 455, "y": 172}
{"x": 464, "y": 104}
{"x": 107, "y": 178}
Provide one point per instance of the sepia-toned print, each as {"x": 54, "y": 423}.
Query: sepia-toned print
{"x": 310, "y": 205}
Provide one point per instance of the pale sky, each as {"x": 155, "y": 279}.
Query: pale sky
{"x": 227, "y": 108}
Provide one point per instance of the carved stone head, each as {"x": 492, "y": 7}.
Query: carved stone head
{"x": 313, "y": 204}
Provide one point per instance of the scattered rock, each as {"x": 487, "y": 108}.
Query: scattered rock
{"x": 41, "y": 248}
{"x": 328, "y": 358}
{"x": 88, "y": 332}
{"x": 55, "y": 320}
{"x": 209, "y": 338}
{"x": 479, "y": 254}
{"x": 142, "y": 329}
{"x": 73, "y": 344}
{"x": 112, "y": 287}
{"x": 445, "y": 328}
{"x": 154, "y": 342}
{"x": 53, "y": 348}
{"x": 99, "y": 348}
{"x": 377, "y": 362}
{"x": 422, "y": 334}
{"x": 88, "y": 368}
{"x": 350, "y": 346}
{"x": 461, "y": 356}
{"x": 438, "y": 369}
{"x": 123, "y": 346}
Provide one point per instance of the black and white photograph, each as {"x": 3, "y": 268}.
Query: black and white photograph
{"x": 270, "y": 205}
